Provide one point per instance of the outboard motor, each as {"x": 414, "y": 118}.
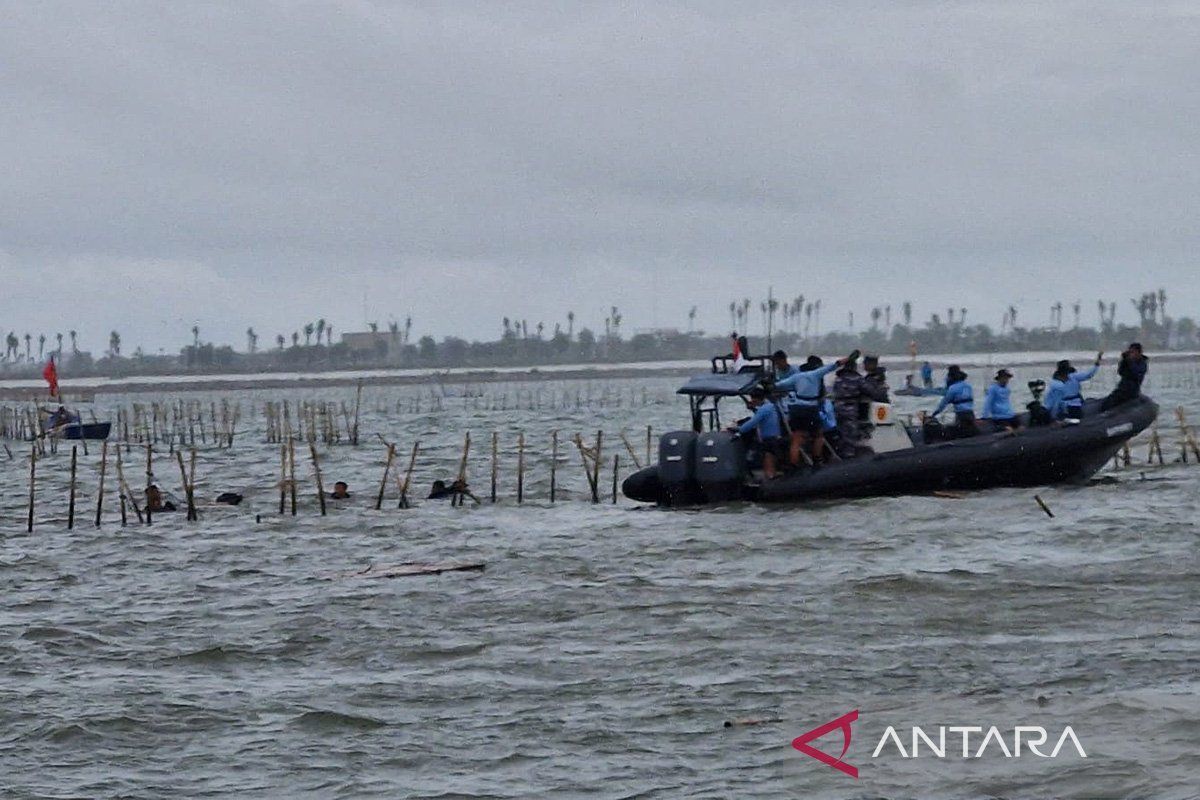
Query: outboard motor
{"x": 720, "y": 466}
{"x": 677, "y": 468}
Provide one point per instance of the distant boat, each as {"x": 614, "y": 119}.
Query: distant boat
{"x": 918, "y": 391}
{"x": 72, "y": 427}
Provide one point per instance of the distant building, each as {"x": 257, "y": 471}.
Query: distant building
{"x": 372, "y": 341}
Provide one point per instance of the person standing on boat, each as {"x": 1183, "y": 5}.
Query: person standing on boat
{"x": 997, "y": 404}
{"x": 783, "y": 369}
{"x": 960, "y": 395}
{"x": 927, "y": 375}
{"x": 1065, "y": 397}
{"x": 806, "y": 389}
{"x": 768, "y": 422}
{"x": 875, "y": 379}
{"x": 1132, "y": 371}
{"x": 849, "y": 396}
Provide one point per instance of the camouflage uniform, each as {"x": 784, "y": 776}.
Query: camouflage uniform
{"x": 847, "y": 395}
{"x": 874, "y": 389}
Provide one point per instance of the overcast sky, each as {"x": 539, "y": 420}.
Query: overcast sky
{"x": 259, "y": 164}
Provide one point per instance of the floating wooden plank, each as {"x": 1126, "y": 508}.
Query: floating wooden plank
{"x": 411, "y": 568}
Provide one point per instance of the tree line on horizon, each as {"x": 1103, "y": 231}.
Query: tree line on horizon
{"x": 794, "y": 323}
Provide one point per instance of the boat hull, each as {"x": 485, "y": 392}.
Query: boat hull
{"x": 1030, "y": 457}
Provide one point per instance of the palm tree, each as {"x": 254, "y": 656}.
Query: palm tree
{"x": 251, "y": 340}
{"x": 1076, "y": 307}
{"x": 320, "y": 329}
{"x": 733, "y": 315}
{"x": 950, "y": 317}
{"x": 196, "y": 336}
{"x": 407, "y": 327}
{"x": 541, "y": 326}
{"x": 308, "y": 332}
{"x": 279, "y": 340}
{"x": 1012, "y": 317}
{"x": 876, "y": 313}
{"x": 616, "y": 319}
{"x": 906, "y": 312}
{"x": 28, "y": 347}
{"x": 887, "y": 316}
{"x": 295, "y": 339}
{"x": 59, "y": 337}
{"x": 570, "y": 325}
{"x": 1162, "y": 305}
{"x": 962, "y": 317}
{"x": 114, "y": 344}
{"x": 329, "y": 334}
{"x": 41, "y": 346}
{"x": 691, "y": 319}
{"x": 373, "y": 327}
{"x": 74, "y": 341}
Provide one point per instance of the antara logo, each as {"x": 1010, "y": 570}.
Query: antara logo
{"x": 1033, "y": 737}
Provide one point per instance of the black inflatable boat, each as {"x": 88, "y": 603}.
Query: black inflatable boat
{"x": 697, "y": 467}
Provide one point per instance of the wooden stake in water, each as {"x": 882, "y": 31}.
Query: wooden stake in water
{"x": 282, "y": 477}
{"x": 520, "y": 467}
{"x": 495, "y": 461}
{"x": 412, "y": 461}
{"x": 387, "y": 467}
{"x": 100, "y": 490}
{"x": 649, "y": 441}
{"x": 292, "y": 472}
{"x": 187, "y": 491}
{"x": 553, "y": 464}
{"x": 312, "y": 448}
{"x": 71, "y": 495}
{"x": 596, "y": 467}
{"x": 616, "y": 466}
{"x": 629, "y": 449}
{"x": 32, "y": 481}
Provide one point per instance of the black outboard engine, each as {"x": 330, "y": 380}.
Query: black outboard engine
{"x": 1038, "y": 413}
{"x": 720, "y": 466}
{"x": 677, "y": 468}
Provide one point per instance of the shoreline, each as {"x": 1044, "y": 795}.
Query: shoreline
{"x": 31, "y": 389}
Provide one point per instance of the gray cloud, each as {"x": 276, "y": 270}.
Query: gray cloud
{"x": 262, "y": 164}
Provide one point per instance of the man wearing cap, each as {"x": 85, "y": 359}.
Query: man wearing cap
{"x": 1064, "y": 399}
{"x": 782, "y": 368}
{"x": 997, "y": 405}
{"x": 768, "y": 421}
{"x": 959, "y": 394}
{"x": 807, "y": 389}
{"x": 1132, "y": 371}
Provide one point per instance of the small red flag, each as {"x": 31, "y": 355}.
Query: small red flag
{"x": 50, "y": 373}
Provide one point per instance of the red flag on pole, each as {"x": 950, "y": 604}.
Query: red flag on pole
{"x": 50, "y": 373}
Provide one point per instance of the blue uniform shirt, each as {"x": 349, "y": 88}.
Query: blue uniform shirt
{"x": 959, "y": 394}
{"x": 828, "y": 415}
{"x": 806, "y": 386}
{"x": 766, "y": 420}
{"x": 996, "y": 404}
{"x": 926, "y": 373}
{"x": 1067, "y": 393}
{"x": 787, "y": 372}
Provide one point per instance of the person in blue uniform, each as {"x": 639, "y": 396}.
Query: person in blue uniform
{"x": 927, "y": 375}
{"x": 960, "y": 396}
{"x": 997, "y": 403}
{"x": 782, "y": 368}
{"x": 1132, "y": 371}
{"x": 767, "y": 421}
{"x": 1064, "y": 399}
{"x": 806, "y": 390}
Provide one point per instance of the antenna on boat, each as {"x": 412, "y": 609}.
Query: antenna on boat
{"x": 770, "y": 316}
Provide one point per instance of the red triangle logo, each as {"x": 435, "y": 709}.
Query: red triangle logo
{"x": 843, "y": 722}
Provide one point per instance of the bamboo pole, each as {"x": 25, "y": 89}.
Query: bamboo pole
{"x": 520, "y": 467}
{"x": 616, "y": 466}
{"x": 187, "y": 492}
{"x": 100, "y": 490}
{"x": 126, "y": 492}
{"x": 649, "y": 441}
{"x": 292, "y": 472}
{"x": 596, "y": 467}
{"x": 149, "y": 480}
{"x": 32, "y": 481}
{"x": 387, "y": 467}
{"x": 495, "y": 461}
{"x": 312, "y": 449}
{"x": 629, "y": 447}
{"x": 357, "y": 404}
{"x": 282, "y": 477}
{"x": 71, "y": 491}
{"x": 553, "y": 464}
{"x": 412, "y": 461}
